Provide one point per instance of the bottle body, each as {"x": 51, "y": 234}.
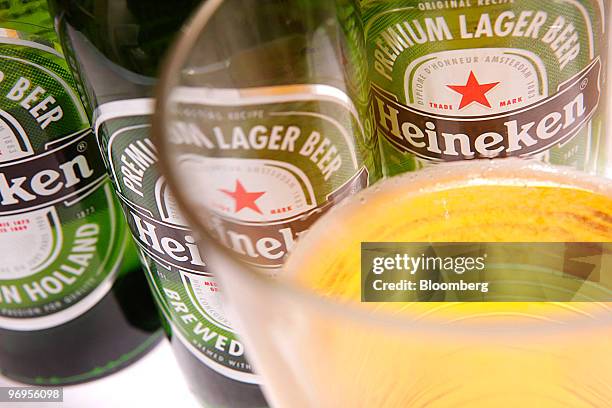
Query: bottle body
{"x": 74, "y": 304}
{"x": 117, "y": 76}
{"x": 459, "y": 80}
{"x": 210, "y": 354}
{"x": 116, "y": 56}
{"x": 262, "y": 117}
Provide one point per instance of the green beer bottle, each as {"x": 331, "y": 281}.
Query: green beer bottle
{"x": 470, "y": 79}
{"x": 116, "y": 50}
{"x": 74, "y": 305}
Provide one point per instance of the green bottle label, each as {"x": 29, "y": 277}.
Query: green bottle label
{"x": 456, "y": 80}
{"x": 276, "y": 164}
{"x": 184, "y": 290}
{"x": 61, "y": 233}
{"x": 277, "y": 160}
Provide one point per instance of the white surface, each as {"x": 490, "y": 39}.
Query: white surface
{"x": 154, "y": 381}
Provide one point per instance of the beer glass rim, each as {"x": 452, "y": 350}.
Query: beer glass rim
{"x": 173, "y": 64}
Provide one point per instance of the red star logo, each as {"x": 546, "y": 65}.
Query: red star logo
{"x": 473, "y": 91}
{"x": 243, "y": 198}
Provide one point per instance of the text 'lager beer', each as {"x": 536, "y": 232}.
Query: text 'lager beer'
{"x": 458, "y": 354}
{"x": 467, "y": 79}
{"x": 74, "y": 304}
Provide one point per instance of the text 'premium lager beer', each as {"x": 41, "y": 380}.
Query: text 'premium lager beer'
{"x": 74, "y": 304}
{"x": 460, "y": 354}
{"x": 455, "y": 80}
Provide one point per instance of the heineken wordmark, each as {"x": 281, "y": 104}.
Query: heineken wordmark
{"x": 63, "y": 242}
{"x": 455, "y": 80}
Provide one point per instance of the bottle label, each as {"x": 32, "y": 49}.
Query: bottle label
{"x": 278, "y": 159}
{"x": 60, "y": 231}
{"x": 264, "y": 192}
{"x": 185, "y": 291}
{"x": 464, "y": 80}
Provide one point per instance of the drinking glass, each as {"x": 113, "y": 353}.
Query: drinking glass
{"x": 264, "y": 136}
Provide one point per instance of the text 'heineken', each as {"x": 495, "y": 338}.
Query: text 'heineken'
{"x": 462, "y": 80}
{"x": 73, "y": 303}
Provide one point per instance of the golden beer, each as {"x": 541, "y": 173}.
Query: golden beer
{"x": 530, "y": 354}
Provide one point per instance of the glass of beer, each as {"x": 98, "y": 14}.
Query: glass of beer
{"x": 295, "y": 273}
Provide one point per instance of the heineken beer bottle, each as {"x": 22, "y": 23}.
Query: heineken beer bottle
{"x": 115, "y": 50}
{"x": 266, "y": 99}
{"x": 74, "y": 305}
{"x": 467, "y": 79}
